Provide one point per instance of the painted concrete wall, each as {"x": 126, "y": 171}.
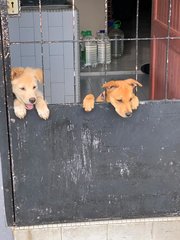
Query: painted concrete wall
{"x": 5, "y": 232}
{"x": 91, "y": 14}
{"x": 143, "y": 229}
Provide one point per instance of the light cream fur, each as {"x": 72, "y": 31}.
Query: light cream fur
{"x": 25, "y": 88}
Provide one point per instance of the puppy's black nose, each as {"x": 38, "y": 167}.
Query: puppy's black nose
{"x": 32, "y": 100}
{"x": 128, "y": 114}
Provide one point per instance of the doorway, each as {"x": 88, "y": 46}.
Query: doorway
{"x": 135, "y": 23}
{"x": 165, "y": 50}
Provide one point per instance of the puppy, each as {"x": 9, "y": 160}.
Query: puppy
{"x": 121, "y": 94}
{"x": 25, "y": 88}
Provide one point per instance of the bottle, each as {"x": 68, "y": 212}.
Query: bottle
{"x": 82, "y": 49}
{"x": 117, "y": 46}
{"x": 90, "y": 49}
{"x": 104, "y": 48}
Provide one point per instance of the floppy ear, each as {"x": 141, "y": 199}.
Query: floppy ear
{"x": 38, "y": 73}
{"x": 133, "y": 82}
{"x": 16, "y": 72}
{"x": 101, "y": 97}
{"x": 111, "y": 84}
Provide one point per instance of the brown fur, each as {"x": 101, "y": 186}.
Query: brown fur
{"x": 25, "y": 87}
{"x": 119, "y": 93}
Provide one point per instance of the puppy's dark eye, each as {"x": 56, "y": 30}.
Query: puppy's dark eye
{"x": 23, "y": 88}
{"x": 119, "y": 100}
{"x": 130, "y": 99}
{"x": 34, "y": 87}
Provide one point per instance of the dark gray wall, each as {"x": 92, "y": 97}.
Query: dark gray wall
{"x": 78, "y": 166}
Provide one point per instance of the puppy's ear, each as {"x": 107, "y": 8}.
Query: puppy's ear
{"x": 111, "y": 84}
{"x": 101, "y": 97}
{"x": 38, "y": 73}
{"x": 133, "y": 83}
{"x": 16, "y": 72}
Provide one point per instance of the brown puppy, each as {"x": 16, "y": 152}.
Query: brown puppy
{"x": 25, "y": 88}
{"x": 120, "y": 94}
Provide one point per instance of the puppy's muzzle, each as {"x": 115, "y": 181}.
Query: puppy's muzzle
{"x": 32, "y": 100}
{"x": 128, "y": 114}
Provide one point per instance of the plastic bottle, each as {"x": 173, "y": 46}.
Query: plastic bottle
{"x": 82, "y": 49}
{"x": 90, "y": 49}
{"x": 104, "y": 48}
{"x": 117, "y": 46}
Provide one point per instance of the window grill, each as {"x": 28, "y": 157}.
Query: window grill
{"x": 48, "y": 35}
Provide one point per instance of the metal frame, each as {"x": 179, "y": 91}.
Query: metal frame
{"x": 5, "y": 99}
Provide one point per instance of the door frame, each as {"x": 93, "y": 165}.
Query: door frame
{"x": 165, "y": 51}
{"x": 5, "y": 100}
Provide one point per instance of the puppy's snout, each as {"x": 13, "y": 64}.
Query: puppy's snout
{"x": 32, "y": 100}
{"x": 128, "y": 114}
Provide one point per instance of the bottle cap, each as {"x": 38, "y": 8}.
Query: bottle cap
{"x": 117, "y": 24}
{"x": 101, "y": 31}
{"x": 83, "y": 33}
{"x": 88, "y": 33}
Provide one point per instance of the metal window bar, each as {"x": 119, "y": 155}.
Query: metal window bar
{"x": 4, "y": 38}
{"x": 74, "y": 72}
{"x": 41, "y": 33}
{"x": 167, "y": 50}
{"x": 137, "y": 42}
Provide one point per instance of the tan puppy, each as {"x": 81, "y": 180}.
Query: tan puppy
{"x": 25, "y": 88}
{"x": 121, "y": 94}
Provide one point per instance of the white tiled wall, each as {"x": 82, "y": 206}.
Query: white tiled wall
{"x": 137, "y": 229}
{"x": 60, "y": 61}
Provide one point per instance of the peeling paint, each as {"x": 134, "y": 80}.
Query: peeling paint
{"x": 123, "y": 168}
{"x": 96, "y": 142}
{"x": 70, "y": 127}
{"x": 87, "y": 164}
{"x": 13, "y": 120}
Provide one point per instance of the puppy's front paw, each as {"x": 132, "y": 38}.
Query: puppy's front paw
{"x": 88, "y": 103}
{"x": 135, "y": 103}
{"x": 20, "y": 111}
{"x": 43, "y": 112}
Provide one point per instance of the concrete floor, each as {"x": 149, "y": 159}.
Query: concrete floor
{"x": 141, "y": 229}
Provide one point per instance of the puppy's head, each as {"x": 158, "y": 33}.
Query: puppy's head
{"x": 121, "y": 94}
{"x": 24, "y": 84}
